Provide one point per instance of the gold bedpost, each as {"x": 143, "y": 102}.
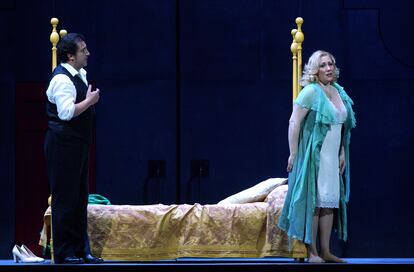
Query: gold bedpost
{"x": 54, "y": 39}
{"x": 296, "y": 49}
{"x": 52, "y": 258}
{"x": 299, "y": 37}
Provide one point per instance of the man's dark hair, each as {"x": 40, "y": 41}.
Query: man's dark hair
{"x": 68, "y": 45}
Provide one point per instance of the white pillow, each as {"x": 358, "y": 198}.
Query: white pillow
{"x": 256, "y": 193}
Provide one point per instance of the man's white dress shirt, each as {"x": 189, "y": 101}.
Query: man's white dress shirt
{"x": 62, "y": 91}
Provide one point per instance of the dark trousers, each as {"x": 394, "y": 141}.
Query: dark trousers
{"x": 67, "y": 167}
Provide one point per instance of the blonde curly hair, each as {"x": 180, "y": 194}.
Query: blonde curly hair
{"x": 310, "y": 73}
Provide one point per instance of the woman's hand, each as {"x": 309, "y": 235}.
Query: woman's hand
{"x": 290, "y": 162}
{"x": 342, "y": 163}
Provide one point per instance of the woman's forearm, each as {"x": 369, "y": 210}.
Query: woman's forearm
{"x": 295, "y": 121}
{"x": 293, "y": 136}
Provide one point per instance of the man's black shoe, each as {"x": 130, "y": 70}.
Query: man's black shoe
{"x": 93, "y": 260}
{"x": 73, "y": 260}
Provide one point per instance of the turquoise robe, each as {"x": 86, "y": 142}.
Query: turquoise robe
{"x": 297, "y": 214}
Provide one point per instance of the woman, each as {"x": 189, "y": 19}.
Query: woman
{"x": 319, "y": 136}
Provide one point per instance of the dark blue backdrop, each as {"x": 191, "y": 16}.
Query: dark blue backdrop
{"x": 184, "y": 80}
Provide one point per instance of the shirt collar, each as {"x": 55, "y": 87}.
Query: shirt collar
{"x": 73, "y": 71}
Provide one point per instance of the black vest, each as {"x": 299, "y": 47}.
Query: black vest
{"x": 79, "y": 126}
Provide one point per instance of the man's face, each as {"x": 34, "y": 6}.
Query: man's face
{"x": 80, "y": 60}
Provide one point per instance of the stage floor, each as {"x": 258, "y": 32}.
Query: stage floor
{"x": 218, "y": 265}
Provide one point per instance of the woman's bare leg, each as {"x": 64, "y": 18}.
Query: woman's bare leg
{"x": 313, "y": 251}
{"x": 325, "y": 227}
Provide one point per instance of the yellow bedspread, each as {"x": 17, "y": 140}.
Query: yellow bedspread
{"x": 155, "y": 232}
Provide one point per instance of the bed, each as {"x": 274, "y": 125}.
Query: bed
{"x": 242, "y": 225}
{"x": 157, "y": 232}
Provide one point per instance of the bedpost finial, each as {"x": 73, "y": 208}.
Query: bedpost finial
{"x": 294, "y": 48}
{"x": 293, "y": 32}
{"x": 299, "y": 37}
{"x": 294, "y": 45}
{"x": 63, "y": 33}
{"x": 54, "y": 21}
{"x": 54, "y": 39}
{"x": 299, "y": 22}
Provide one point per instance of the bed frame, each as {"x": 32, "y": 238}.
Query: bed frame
{"x": 96, "y": 212}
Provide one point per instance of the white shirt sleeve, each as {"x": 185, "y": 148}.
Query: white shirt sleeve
{"x": 62, "y": 92}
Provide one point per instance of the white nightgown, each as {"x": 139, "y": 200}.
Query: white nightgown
{"x": 328, "y": 175}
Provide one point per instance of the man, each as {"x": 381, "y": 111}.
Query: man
{"x": 70, "y": 111}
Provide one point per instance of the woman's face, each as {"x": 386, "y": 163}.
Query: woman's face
{"x": 326, "y": 70}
